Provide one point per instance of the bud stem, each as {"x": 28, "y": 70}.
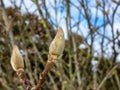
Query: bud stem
{"x": 25, "y": 81}
{"x": 42, "y": 76}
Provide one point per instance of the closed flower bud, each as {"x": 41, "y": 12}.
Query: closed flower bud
{"x": 16, "y": 59}
{"x": 57, "y": 45}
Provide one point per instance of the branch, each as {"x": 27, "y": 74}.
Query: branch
{"x": 42, "y": 76}
{"x": 25, "y": 81}
{"x": 8, "y": 23}
{"x": 106, "y": 77}
{"x": 55, "y": 50}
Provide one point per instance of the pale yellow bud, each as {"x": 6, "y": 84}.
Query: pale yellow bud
{"x": 57, "y": 45}
{"x": 16, "y": 59}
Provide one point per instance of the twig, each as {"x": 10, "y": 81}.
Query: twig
{"x": 48, "y": 66}
{"x": 25, "y": 81}
{"x": 106, "y": 77}
{"x": 7, "y": 22}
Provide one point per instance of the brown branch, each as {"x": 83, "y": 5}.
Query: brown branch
{"x": 8, "y": 23}
{"x": 116, "y": 2}
{"x": 55, "y": 50}
{"x": 106, "y": 77}
{"x": 25, "y": 81}
{"x": 42, "y": 76}
{"x": 17, "y": 64}
{"x": 22, "y": 75}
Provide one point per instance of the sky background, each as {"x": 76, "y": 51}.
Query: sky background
{"x": 61, "y": 14}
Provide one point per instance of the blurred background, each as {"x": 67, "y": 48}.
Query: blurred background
{"x": 91, "y": 57}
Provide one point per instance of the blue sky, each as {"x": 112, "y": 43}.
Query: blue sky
{"x": 61, "y": 14}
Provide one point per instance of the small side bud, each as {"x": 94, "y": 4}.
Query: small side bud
{"x": 57, "y": 45}
{"x": 16, "y": 59}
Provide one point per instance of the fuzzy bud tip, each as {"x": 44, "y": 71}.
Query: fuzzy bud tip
{"x": 57, "y": 45}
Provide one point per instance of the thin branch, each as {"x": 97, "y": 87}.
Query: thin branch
{"x": 106, "y": 77}
{"x": 42, "y": 76}
{"x": 7, "y": 23}
{"x": 25, "y": 81}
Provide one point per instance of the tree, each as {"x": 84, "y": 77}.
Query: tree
{"x": 91, "y": 52}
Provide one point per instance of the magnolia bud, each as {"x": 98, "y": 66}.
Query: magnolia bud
{"x": 57, "y": 45}
{"x": 16, "y": 59}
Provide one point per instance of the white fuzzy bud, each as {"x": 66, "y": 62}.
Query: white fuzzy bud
{"x": 16, "y": 59}
{"x": 57, "y": 45}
